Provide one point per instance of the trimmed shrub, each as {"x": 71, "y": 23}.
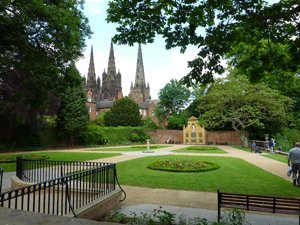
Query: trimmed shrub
{"x": 96, "y": 135}
{"x": 92, "y": 136}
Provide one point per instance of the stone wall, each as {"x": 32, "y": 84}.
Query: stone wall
{"x": 212, "y": 137}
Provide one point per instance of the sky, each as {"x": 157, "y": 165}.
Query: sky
{"x": 160, "y": 65}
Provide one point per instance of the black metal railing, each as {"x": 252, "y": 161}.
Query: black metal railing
{"x": 1, "y": 179}
{"x": 67, "y": 186}
{"x": 35, "y": 171}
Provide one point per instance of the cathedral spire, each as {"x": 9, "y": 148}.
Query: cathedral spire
{"x": 111, "y": 69}
{"x": 140, "y": 75}
{"x": 91, "y": 76}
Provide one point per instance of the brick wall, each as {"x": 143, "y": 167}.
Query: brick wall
{"x": 213, "y": 137}
{"x": 161, "y": 136}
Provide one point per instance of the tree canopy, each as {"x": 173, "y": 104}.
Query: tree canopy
{"x": 244, "y": 105}
{"x": 173, "y": 98}
{"x": 73, "y": 117}
{"x": 38, "y": 41}
{"x": 125, "y": 112}
{"x": 215, "y": 27}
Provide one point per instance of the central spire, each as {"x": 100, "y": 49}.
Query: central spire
{"x": 140, "y": 75}
{"x": 91, "y": 77}
{"x": 111, "y": 69}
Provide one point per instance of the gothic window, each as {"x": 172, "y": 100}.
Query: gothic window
{"x": 193, "y": 135}
{"x": 90, "y": 109}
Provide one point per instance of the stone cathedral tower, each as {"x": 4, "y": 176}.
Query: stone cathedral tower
{"x": 111, "y": 80}
{"x": 140, "y": 92}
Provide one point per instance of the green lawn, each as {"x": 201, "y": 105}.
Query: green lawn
{"x": 201, "y": 149}
{"x": 130, "y": 148}
{"x": 235, "y": 175}
{"x": 59, "y": 156}
{"x": 278, "y": 157}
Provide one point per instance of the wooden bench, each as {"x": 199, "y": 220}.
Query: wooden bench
{"x": 258, "y": 203}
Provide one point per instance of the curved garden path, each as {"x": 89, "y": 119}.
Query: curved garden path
{"x": 192, "y": 199}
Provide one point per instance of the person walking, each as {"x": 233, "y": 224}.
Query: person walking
{"x": 294, "y": 162}
{"x": 272, "y": 145}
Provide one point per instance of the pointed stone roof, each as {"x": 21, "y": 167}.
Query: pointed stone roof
{"x": 111, "y": 69}
{"x": 91, "y": 71}
{"x": 140, "y": 74}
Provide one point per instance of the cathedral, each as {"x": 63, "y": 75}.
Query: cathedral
{"x": 101, "y": 95}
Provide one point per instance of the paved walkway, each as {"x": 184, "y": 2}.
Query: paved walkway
{"x": 190, "y": 202}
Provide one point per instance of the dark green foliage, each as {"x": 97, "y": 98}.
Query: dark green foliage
{"x": 38, "y": 40}
{"x": 138, "y": 136}
{"x": 73, "y": 117}
{"x": 96, "y": 135}
{"x": 148, "y": 123}
{"x": 215, "y": 27}
{"x": 177, "y": 121}
{"x": 125, "y": 112}
{"x": 287, "y": 138}
{"x": 173, "y": 98}
{"x": 244, "y": 105}
{"x": 93, "y": 135}
{"x": 99, "y": 120}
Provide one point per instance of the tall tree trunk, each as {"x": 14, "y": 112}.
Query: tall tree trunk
{"x": 243, "y": 138}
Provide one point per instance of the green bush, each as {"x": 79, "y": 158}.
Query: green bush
{"x": 92, "y": 136}
{"x": 287, "y": 138}
{"x": 96, "y": 135}
{"x": 148, "y": 123}
{"x": 138, "y": 136}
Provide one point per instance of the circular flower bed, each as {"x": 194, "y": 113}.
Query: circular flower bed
{"x": 183, "y": 165}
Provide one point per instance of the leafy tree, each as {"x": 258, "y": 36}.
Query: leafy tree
{"x": 173, "y": 98}
{"x": 125, "y": 112}
{"x": 148, "y": 123}
{"x": 38, "y": 40}
{"x": 215, "y": 27}
{"x": 178, "y": 121}
{"x": 244, "y": 105}
{"x": 73, "y": 117}
{"x": 271, "y": 63}
{"x": 99, "y": 120}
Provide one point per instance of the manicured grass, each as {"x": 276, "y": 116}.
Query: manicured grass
{"x": 234, "y": 175}
{"x": 201, "y": 149}
{"x": 59, "y": 156}
{"x": 242, "y": 148}
{"x": 130, "y": 148}
{"x": 278, "y": 157}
